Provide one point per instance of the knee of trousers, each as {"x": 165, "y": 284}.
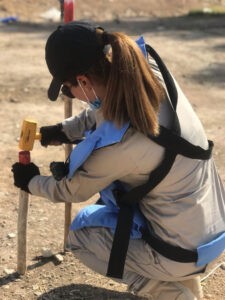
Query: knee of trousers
{"x": 194, "y": 285}
{"x": 162, "y": 290}
{"x": 96, "y": 240}
{"x": 73, "y": 241}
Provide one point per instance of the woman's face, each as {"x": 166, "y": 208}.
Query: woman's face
{"x": 86, "y": 90}
{"x": 76, "y": 91}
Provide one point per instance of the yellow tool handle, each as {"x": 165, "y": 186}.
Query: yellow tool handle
{"x": 38, "y": 136}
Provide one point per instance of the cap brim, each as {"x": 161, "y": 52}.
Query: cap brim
{"x": 54, "y": 89}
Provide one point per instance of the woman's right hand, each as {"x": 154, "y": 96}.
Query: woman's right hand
{"x": 53, "y": 135}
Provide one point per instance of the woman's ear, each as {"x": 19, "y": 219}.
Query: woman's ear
{"x": 84, "y": 81}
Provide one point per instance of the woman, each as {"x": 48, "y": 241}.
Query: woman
{"x": 160, "y": 218}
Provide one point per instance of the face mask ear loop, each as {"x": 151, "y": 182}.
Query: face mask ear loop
{"x": 83, "y": 91}
{"x": 94, "y": 93}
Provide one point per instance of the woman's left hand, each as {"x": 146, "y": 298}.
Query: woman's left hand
{"x": 23, "y": 174}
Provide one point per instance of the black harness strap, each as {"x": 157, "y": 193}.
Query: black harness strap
{"x": 174, "y": 144}
{"x": 167, "y": 250}
{"x": 126, "y": 203}
{"x": 120, "y": 243}
{"x": 170, "y": 86}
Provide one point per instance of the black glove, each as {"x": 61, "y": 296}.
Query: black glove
{"x": 23, "y": 174}
{"x": 53, "y": 133}
{"x": 59, "y": 169}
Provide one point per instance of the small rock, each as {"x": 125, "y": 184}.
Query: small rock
{"x": 59, "y": 258}
{"x": 6, "y": 286}
{"x": 9, "y": 271}
{"x": 38, "y": 294}
{"x": 44, "y": 218}
{"x": 13, "y": 100}
{"x": 35, "y": 287}
{"x": 208, "y": 296}
{"x": 207, "y": 10}
{"x": 46, "y": 252}
{"x": 11, "y": 235}
{"x": 222, "y": 266}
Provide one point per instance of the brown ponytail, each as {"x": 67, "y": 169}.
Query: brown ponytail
{"x": 132, "y": 91}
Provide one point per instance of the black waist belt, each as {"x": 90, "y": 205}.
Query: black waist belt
{"x": 169, "y": 251}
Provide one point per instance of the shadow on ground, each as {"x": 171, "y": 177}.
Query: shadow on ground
{"x": 38, "y": 262}
{"x": 85, "y": 292}
{"x": 211, "y": 24}
{"x": 182, "y": 28}
{"x": 214, "y": 74}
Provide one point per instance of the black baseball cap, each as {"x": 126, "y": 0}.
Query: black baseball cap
{"x": 71, "y": 50}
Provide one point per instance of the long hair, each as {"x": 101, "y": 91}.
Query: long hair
{"x": 133, "y": 93}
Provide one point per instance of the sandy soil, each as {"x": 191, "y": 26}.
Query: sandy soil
{"x": 193, "y": 48}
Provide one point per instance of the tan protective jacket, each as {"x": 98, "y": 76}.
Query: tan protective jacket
{"x": 187, "y": 208}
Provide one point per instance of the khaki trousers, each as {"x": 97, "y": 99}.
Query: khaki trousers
{"x": 165, "y": 290}
{"x": 144, "y": 273}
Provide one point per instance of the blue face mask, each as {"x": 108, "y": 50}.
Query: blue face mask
{"x": 95, "y": 104}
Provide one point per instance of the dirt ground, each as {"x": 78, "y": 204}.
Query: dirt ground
{"x": 193, "y": 47}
